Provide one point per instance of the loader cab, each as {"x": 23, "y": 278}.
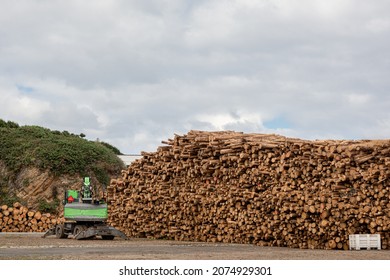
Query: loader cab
{"x": 86, "y": 191}
{"x": 83, "y": 196}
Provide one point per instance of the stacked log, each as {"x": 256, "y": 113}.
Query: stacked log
{"x": 21, "y": 219}
{"x": 254, "y": 188}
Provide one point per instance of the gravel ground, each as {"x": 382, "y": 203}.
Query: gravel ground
{"x": 30, "y": 246}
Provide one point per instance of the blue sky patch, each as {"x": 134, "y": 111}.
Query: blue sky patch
{"x": 24, "y": 89}
{"x": 278, "y": 122}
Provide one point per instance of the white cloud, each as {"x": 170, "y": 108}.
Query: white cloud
{"x": 314, "y": 8}
{"x": 358, "y": 99}
{"x": 226, "y": 121}
{"x": 19, "y": 105}
{"x": 24, "y": 107}
{"x": 136, "y": 72}
{"x": 378, "y": 25}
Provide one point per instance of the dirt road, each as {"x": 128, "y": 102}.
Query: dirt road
{"x": 30, "y": 246}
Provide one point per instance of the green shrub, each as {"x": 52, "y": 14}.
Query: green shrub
{"x": 112, "y": 148}
{"x": 7, "y": 198}
{"x": 60, "y": 153}
{"x": 48, "y": 207}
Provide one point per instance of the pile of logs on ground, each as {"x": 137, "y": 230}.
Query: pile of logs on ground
{"x": 20, "y": 219}
{"x": 255, "y": 188}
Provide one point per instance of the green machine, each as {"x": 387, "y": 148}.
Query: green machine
{"x": 85, "y": 216}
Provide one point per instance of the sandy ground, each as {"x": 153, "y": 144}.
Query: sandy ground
{"x": 30, "y": 246}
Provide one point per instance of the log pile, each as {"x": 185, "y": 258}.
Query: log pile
{"x": 20, "y": 219}
{"x": 261, "y": 189}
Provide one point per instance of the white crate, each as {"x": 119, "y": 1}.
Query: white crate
{"x": 364, "y": 241}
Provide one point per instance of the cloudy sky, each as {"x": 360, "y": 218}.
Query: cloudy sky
{"x": 134, "y": 73}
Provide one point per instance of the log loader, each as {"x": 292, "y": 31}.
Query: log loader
{"x": 85, "y": 217}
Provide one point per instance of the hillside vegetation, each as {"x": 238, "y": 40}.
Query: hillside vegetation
{"x": 55, "y": 152}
